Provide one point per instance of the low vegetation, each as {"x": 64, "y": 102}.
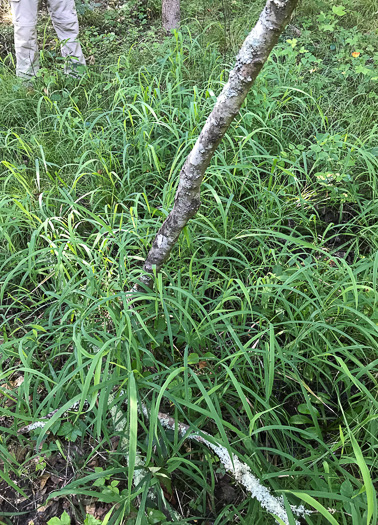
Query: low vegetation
{"x": 262, "y": 328}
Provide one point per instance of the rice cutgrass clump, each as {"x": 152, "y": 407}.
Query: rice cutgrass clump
{"x": 261, "y": 330}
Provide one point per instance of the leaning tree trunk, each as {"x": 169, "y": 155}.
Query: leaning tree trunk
{"x": 170, "y": 14}
{"x": 251, "y": 58}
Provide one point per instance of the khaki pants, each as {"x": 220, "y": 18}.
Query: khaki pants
{"x": 64, "y": 19}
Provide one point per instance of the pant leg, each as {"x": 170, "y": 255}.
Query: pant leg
{"x": 65, "y": 22}
{"x": 24, "y": 14}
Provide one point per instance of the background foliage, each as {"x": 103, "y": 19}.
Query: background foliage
{"x": 262, "y": 328}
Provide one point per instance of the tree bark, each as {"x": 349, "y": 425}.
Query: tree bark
{"x": 251, "y": 58}
{"x": 170, "y": 14}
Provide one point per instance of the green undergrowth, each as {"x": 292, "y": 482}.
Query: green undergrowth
{"x": 261, "y": 328}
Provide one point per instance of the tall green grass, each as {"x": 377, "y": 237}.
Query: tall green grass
{"x": 262, "y": 327}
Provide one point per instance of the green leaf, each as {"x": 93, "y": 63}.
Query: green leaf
{"x": 313, "y": 430}
{"x": 368, "y": 482}
{"x": 155, "y": 516}
{"x": 91, "y": 520}
{"x": 328, "y": 27}
{"x": 101, "y": 480}
{"x": 298, "y": 419}
{"x": 193, "y": 359}
{"x": 63, "y": 520}
{"x": 346, "y": 489}
{"x": 269, "y": 360}
{"x": 38, "y": 327}
{"x": 339, "y": 10}
{"x": 75, "y": 434}
{"x": 305, "y": 409}
{"x": 65, "y": 429}
{"x": 318, "y": 506}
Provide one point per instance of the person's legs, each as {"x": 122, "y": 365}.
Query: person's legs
{"x": 64, "y": 19}
{"x": 24, "y": 14}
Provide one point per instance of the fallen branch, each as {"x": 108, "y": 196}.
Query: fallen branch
{"x": 43, "y": 420}
{"x": 232, "y": 464}
{"x": 239, "y": 470}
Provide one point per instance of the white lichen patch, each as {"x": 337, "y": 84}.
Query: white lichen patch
{"x": 197, "y": 154}
{"x": 241, "y": 472}
{"x": 37, "y": 424}
{"x": 162, "y": 241}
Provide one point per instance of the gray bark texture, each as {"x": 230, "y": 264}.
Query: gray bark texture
{"x": 251, "y": 58}
{"x": 170, "y": 14}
